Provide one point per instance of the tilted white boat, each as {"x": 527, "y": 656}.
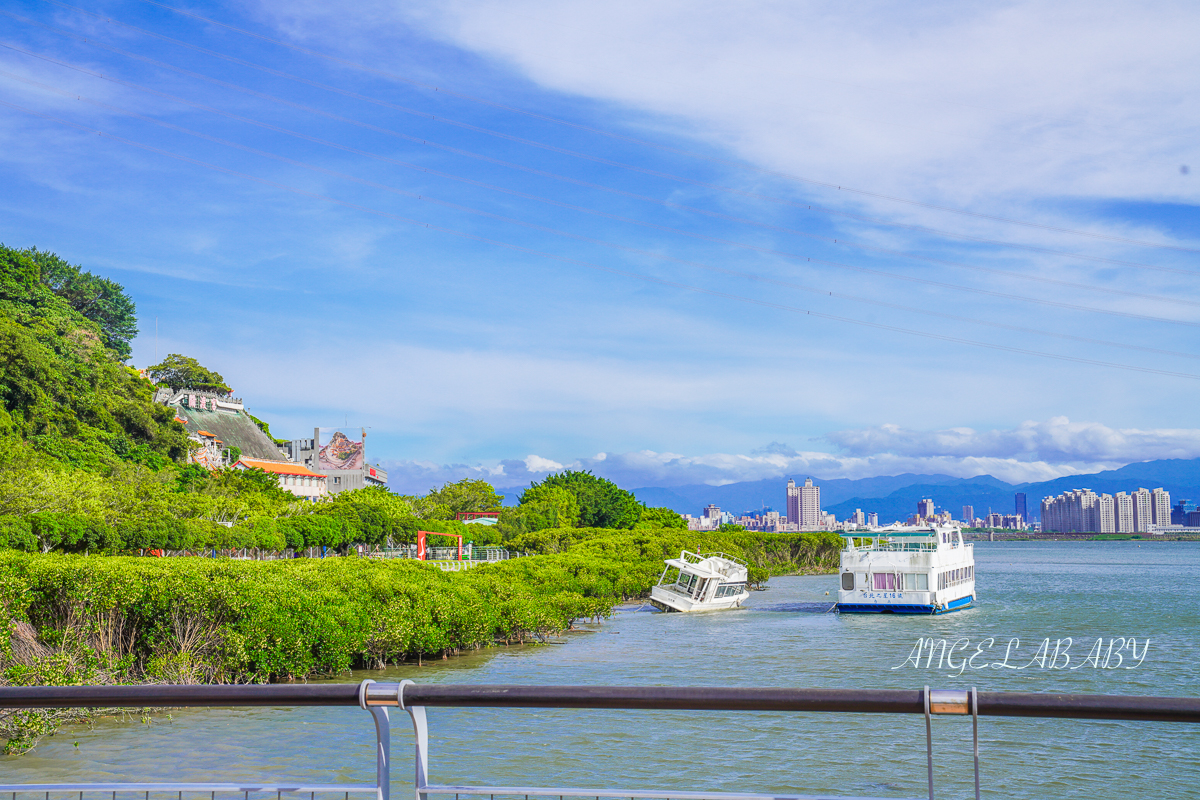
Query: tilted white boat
{"x": 902, "y": 570}
{"x": 701, "y": 582}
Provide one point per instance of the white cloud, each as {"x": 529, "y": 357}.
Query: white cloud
{"x": 1057, "y": 439}
{"x": 1034, "y": 451}
{"x": 975, "y": 102}
{"x": 538, "y": 464}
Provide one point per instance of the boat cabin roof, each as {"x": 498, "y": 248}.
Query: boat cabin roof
{"x": 885, "y": 539}
{"x": 703, "y": 570}
{"x": 708, "y": 565}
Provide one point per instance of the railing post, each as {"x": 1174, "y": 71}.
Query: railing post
{"x": 421, "y": 735}
{"x": 383, "y": 743}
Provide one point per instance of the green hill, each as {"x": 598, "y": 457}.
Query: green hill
{"x": 64, "y": 388}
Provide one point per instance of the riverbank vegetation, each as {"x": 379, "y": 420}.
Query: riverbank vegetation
{"x": 74, "y": 619}
{"x": 94, "y": 473}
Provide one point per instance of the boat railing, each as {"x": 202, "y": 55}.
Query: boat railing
{"x": 696, "y": 558}
{"x": 414, "y": 699}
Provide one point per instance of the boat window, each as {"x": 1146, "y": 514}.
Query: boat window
{"x": 685, "y": 583}
{"x": 922, "y": 582}
{"x": 847, "y": 581}
{"x": 884, "y": 581}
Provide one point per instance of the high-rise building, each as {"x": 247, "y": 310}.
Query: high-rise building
{"x": 1070, "y": 511}
{"x": 925, "y": 508}
{"x": 793, "y": 503}
{"x": 1021, "y": 511}
{"x": 968, "y": 514}
{"x": 1160, "y": 506}
{"x": 1180, "y": 511}
{"x": 873, "y": 519}
{"x": 1143, "y": 513}
{"x": 858, "y": 517}
{"x": 810, "y": 506}
{"x": 1105, "y": 515}
{"x": 1123, "y": 512}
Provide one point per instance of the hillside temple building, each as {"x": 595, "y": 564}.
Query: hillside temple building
{"x": 225, "y": 435}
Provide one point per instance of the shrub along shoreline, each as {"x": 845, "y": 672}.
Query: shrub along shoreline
{"x": 74, "y": 619}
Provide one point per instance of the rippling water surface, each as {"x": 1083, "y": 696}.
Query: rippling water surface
{"x": 1111, "y": 591}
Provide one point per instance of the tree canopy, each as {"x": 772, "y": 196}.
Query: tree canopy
{"x": 184, "y": 372}
{"x": 661, "y": 518}
{"x": 62, "y": 388}
{"x": 465, "y": 495}
{"x": 601, "y": 503}
{"x": 100, "y": 300}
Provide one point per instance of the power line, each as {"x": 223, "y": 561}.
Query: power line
{"x": 595, "y": 212}
{"x": 588, "y": 239}
{"x": 588, "y": 264}
{"x": 623, "y": 137}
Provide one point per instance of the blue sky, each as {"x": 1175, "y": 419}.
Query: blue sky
{"x": 669, "y": 242}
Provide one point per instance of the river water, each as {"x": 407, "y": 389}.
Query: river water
{"x": 1140, "y": 600}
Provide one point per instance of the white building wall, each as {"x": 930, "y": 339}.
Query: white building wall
{"x": 1123, "y": 512}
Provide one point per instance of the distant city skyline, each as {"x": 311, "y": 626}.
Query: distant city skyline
{"x": 1133, "y": 511}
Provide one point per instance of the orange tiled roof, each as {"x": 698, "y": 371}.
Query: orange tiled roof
{"x": 206, "y": 433}
{"x": 278, "y": 467}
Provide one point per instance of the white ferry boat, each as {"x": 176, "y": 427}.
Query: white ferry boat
{"x": 907, "y": 571}
{"x": 701, "y": 582}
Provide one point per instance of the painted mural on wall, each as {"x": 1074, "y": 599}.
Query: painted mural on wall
{"x": 211, "y": 452}
{"x": 342, "y": 452}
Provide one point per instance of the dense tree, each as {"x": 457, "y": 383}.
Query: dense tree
{"x": 661, "y": 518}
{"x": 541, "y": 507}
{"x": 61, "y": 389}
{"x": 101, "y": 300}
{"x": 184, "y": 372}
{"x": 602, "y": 504}
{"x": 465, "y": 495}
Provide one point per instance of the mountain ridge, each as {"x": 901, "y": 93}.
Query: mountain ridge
{"x": 895, "y": 496}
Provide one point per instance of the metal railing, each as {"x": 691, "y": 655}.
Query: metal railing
{"x": 696, "y": 558}
{"x": 377, "y": 698}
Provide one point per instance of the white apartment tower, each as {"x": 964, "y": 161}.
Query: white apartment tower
{"x": 793, "y": 503}
{"x": 1143, "y": 513}
{"x": 1160, "y": 506}
{"x": 1123, "y": 512}
{"x": 1106, "y": 521}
